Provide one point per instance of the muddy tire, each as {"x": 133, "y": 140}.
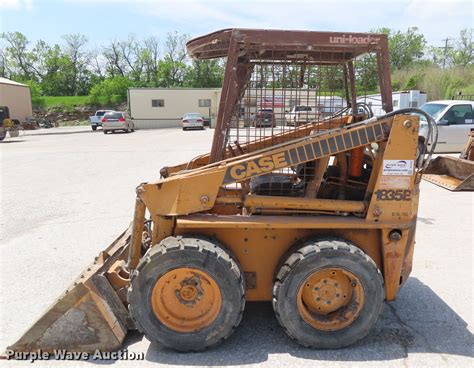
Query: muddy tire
{"x": 187, "y": 294}
{"x": 328, "y": 294}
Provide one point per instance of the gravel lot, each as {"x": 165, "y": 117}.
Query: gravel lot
{"x": 65, "y": 197}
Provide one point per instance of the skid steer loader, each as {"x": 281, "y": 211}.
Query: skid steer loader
{"x": 317, "y": 218}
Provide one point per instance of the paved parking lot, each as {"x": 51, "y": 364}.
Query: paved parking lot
{"x": 65, "y": 197}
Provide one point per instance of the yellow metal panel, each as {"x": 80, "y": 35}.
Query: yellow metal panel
{"x": 283, "y": 222}
{"x": 183, "y": 194}
{"x": 260, "y": 251}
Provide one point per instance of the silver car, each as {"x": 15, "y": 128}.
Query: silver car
{"x": 117, "y": 120}
{"x": 193, "y": 120}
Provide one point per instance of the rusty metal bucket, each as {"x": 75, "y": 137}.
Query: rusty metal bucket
{"x": 452, "y": 173}
{"x": 90, "y": 315}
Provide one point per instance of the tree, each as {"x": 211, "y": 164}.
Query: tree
{"x": 405, "y": 48}
{"x": 18, "y": 60}
{"x": 457, "y": 53}
{"x": 111, "y": 90}
{"x": 204, "y": 74}
{"x": 150, "y": 55}
{"x": 463, "y": 52}
{"x": 77, "y": 73}
{"x": 172, "y": 68}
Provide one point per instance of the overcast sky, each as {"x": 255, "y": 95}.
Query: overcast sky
{"x": 102, "y": 20}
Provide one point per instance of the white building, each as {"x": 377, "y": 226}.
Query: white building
{"x": 152, "y": 108}
{"x": 400, "y": 99}
{"x": 17, "y": 97}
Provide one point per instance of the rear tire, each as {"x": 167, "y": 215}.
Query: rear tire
{"x": 187, "y": 294}
{"x": 94, "y": 127}
{"x": 3, "y": 134}
{"x": 328, "y": 294}
{"x": 105, "y": 131}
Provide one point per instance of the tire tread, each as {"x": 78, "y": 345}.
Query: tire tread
{"x": 202, "y": 245}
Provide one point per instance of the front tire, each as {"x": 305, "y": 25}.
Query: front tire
{"x": 328, "y": 294}
{"x": 187, "y": 294}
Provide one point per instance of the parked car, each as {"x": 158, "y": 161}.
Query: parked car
{"x": 301, "y": 115}
{"x": 96, "y": 119}
{"x": 263, "y": 118}
{"x": 454, "y": 119}
{"x": 117, "y": 120}
{"x": 193, "y": 120}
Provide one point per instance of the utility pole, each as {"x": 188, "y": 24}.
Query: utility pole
{"x": 446, "y": 40}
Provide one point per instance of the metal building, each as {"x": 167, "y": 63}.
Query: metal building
{"x": 17, "y": 97}
{"x": 152, "y": 108}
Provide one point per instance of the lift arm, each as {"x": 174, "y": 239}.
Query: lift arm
{"x": 197, "y": 190}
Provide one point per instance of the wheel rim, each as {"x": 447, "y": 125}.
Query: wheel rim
{"x": 186, "y": 299}
{"x": 330, "y": 299}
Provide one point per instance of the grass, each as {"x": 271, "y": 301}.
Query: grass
{"x": 68, "y": 103}
{"x": 65, "y": 101}
{"x": 438, "y": 83}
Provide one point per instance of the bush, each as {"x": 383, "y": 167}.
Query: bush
{"x": 110, "y": 91}
{"x": 37, "y": 100}
{"x": 436, "y": 82}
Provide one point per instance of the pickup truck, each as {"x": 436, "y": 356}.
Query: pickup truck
{"x": 96, "y": 119}
{"x": 454, "y": 119}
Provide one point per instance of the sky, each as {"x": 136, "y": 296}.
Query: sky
{"x": 104, "y": 20}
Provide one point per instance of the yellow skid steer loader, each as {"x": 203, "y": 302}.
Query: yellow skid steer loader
{"x": 318, "y": 218}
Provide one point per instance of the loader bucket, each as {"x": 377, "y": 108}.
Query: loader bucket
{"x": 452, "y": 173}
{"x": 89, "y": 315}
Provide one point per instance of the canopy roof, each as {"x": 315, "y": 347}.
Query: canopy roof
{"x": 297, "y": 45}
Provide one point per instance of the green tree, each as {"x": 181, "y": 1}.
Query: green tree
{"x": 18, "y": 60}
{"x": 76, "y": 73}
{"x": 405, "y": 47}
{"x": 112, "y": 90}
{"x": 204, "y": 74}
{"x": 172, "y": 68}
{"x": 463, "y": 52}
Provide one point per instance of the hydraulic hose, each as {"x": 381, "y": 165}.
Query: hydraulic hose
{"x": 431, "y": 138}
